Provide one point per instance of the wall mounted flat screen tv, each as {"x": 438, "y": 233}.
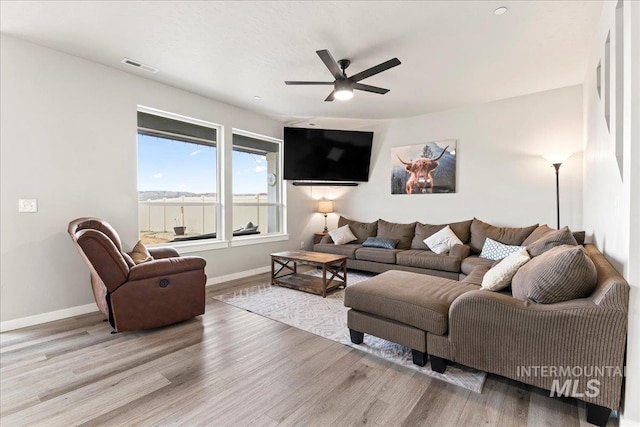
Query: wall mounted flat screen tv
{"x": 326, "y": 155}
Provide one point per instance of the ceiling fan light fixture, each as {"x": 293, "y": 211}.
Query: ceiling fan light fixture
{"x": 343, "y": 90}
{"x": 343, "y": 94}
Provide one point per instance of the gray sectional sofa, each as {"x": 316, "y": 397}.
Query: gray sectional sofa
{"x": 533, "y": 331}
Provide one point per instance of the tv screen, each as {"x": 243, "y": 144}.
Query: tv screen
{"x": 326, "y": 155}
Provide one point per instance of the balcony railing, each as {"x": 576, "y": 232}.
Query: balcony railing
{"x": 199, "y": 215}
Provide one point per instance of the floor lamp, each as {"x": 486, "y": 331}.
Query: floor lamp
{"x": 556, "y": 161}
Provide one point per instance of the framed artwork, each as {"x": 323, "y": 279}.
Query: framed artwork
{"x": 424, "y": 168}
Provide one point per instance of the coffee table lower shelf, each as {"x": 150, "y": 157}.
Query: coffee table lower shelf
{"x": 306, "y": 283}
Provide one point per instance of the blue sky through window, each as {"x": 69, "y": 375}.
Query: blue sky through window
{"x": 169, "y": 165}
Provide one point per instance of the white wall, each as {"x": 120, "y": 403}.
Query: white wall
{"x": 69, "y": 140}
{"x": 501, "y": 176}
{"x": 611, "y": 199}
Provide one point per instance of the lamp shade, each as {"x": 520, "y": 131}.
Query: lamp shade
{"x": 557, "y": 158}
{"x": 325, "y": 206}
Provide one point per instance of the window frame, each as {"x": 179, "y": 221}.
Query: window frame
{"x": 188, "y": 246}
{"x": 281, "y": 188}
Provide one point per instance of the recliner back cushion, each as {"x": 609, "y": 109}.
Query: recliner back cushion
{"x": 423, "y": 231}
{"x": 361, "y": 230}
{"x": 402, "y": 232}
{"x": 507, "y": 235}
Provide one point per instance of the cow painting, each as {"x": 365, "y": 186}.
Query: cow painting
{"x": 424, "y": 169}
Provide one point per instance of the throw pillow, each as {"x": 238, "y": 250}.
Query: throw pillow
{"x": 380, "y": 242}
{"x": 140, "y": 254}
{"x": 551, "y": 240}
{"x": 425, "y": 230}
{"x": 442, "y": 241}
{"x": 507, "y": 235}
{"x": 496, "y": 250}
{"x": 361, "y": 230}
{"x": 402, "y": 232}
{"x": 563, "y": 273}
{"x": 499, "y": 276}
{"x": 342, "y": 235}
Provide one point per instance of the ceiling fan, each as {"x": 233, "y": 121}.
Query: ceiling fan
{"x": 343, "y": 86}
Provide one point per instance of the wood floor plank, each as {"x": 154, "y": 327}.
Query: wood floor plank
{"x": 231, "y": 367}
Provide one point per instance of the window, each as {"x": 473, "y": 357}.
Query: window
{"x": 177, "y": 178}
{"x": 257, "y": 185}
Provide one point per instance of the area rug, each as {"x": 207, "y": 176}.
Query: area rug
{"x": 327, "y": 317}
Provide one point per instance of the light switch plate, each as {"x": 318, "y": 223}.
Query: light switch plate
{"x": 27, "y": 205}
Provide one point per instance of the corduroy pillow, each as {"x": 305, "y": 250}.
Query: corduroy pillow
{"x": 562, "y": 273}
{"x": 402, "y": 232}
{"x": 551, "y": 240}
{"x": 361, "y": 230}
{"x": 507, "y": 235}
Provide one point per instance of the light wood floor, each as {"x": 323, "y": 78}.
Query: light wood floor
{"x": 235, "y": 368}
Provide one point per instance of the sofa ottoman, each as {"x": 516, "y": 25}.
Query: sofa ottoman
{"x": 403, "y": 307}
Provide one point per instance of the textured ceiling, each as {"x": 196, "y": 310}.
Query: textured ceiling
{"x": 453, "y": 53}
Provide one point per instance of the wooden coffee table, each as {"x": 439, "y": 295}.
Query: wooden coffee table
{"x": 287, "y": 263}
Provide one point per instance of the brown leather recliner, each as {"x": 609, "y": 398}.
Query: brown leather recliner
{"x": 166, "y": 290}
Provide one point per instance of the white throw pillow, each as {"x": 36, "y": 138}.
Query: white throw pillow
{"x": 342, "y": 235}
{"x": 496, "y": 250}
{"x": 442, "y": 241}
{"x": 499, "y": 276}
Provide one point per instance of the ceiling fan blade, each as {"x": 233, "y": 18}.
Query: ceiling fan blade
{"x": 330, "y": 63}
{"x": 330, "y": 97}
{"x": 307, "y": 83}
{"x": 368, "y": 88}
{"x": 375, "y": 70}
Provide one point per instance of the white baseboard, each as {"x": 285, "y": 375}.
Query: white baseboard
{"x": 23, "y": 322}
{"x": 241, "y": 275}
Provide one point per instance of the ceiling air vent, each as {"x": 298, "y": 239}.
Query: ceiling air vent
{"x": 139, "y": 65}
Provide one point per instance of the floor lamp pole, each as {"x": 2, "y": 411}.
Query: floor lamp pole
{"x": 557, "y": 166}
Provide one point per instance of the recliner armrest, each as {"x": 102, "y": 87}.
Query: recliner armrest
{"x": 460, "y": 251}
{"x": 166, "y": 266}
{"x": 163, "y": 252}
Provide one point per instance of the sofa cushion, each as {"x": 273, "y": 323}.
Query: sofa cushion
{"x": 471, "y": 262}
{"x": 499, "y": 276}
{"x": 538, "y": 233}
{"x": 562, "y": 273}
{"x": 507, "y": 235}
{"x": 551, "y": 240}
{"x": 385, "y": 256}
{"x": 342, "y": 235}
{"x": 461, "y": 229}
{"x": 402, "y": 232}
{"x": 418, "y": 300}
{"x": 442, "y": 241}
{"x": 427, "y": 259}
{"x": 580, "y": 236}
{"x": 361, "y": 230}
{"x": 380, "y": 242}
{"x": 496, "y": 250}
{"x": 347, "y": 250}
